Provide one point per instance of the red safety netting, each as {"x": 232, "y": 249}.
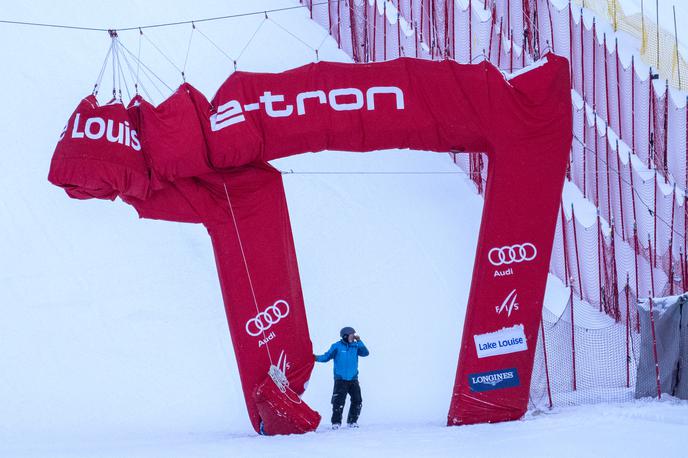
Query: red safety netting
{"x": 628, "y": 156}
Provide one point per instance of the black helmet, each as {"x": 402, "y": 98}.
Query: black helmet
{"x": 346, "y": 331}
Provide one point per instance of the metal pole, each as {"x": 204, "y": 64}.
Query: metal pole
{"x": 470, "y": 31}
{"x": 600, "y": 260}
{"x": 609, "y": 192}
{"x": 567, "y": 268}
{"x": 671, "y": 241}
{"x": 657, "y": 29}
{"x": 511, "y": 51}
{"x": 606, "y": 80}
{"x": 678, "y": 58}
{"x": 544, "y": 351}
{"x": 618, "y": 89}
{"x": 633, "y": 103}
{"x": 573, "y": 339}
{"x": 551, "y": 27}
{"x": 492, "y": 24}
{"x": 597, "y": 167}
{"x": 652, "y": 270}
{"x": 570, "y": 41}
{"x": 384, "y": 25}
{"x": 628, "y": 333}
{"x": 499, "y": 47}
{"x": 621, "y": 204}
{"x": 654, "y": 349}
{"x": 582, "y": 49}
{"x": 653, "y": 259}
{"x": 594, "y": 67}
{"x": 575, "y": 242}
{"x": 637, "y": 290}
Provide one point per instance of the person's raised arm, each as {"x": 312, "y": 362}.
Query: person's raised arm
{"x": 328, "y": 355}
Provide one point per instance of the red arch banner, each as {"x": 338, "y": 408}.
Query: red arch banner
{"x": 193, "y": 161}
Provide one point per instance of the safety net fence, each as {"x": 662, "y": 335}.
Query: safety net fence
{"x": 621, "y": 235}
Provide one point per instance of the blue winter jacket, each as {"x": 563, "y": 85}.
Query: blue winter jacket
{"x": 345, "y": 358}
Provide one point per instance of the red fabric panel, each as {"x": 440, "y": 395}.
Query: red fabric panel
{"x": 405, "y": 103}
{"x": 276, "y": 330}
{"x": 172, "y": 135}
{"x": 284, "y": 412}
{"x": 523, "y": 124}
{"x": 99, "y": 154}
{"x": 526, "y": 175}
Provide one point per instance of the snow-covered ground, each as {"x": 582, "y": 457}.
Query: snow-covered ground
{"x": 113, "y": 340}
{"x": 638, "y": 429}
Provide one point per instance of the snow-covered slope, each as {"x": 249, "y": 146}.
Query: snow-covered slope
{"x": 112, "y": 330}
{"x": 111, "y": 323}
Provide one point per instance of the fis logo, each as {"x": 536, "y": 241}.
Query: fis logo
{"x": 509, "y": 304}
{"x": 343, "y": 99}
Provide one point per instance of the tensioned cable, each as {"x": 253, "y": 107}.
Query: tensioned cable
{"x": 145, "y": 67}
{"x": 291, "y": 172}
{"x": 248, "y": 272}
{"x": 164, "y": 24}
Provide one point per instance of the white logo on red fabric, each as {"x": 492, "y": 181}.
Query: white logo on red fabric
{"x": 503, "y": 273}
{"x": 509, "y": 304}
{"x": 96, "y": 128}
{"x": 265, "y": 319}
{"x": 502, "y": 342}
{"x": 512, "y": 254}
{"x": 278, "y": 373}
{"x": 342, "y": 99}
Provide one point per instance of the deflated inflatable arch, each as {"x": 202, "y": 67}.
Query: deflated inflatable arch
{"x": 189, "y": 160}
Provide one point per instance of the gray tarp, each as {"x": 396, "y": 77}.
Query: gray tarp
{"x": 681, "y": 390}
{"x": 672, "y": 347}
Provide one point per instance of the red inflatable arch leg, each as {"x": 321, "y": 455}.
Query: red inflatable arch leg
{"x": 207, "y": 164}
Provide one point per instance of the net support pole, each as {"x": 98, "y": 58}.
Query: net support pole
{"x": 654, "y": 227}
{"x": 606, "y": 80}
{"x": 384, "y": 30}
{"x": 637, "y": 287}
{"x": 499, "y": 44}
{"x": 593, "y": 42}
{"x": 633, "y": 103}
{"x": 570, "y": 41}
{"x": 652, "y": 270}
{"x": 470, "y": 31}
{"x": 671, "y": 241}
{"x": 575, "y": 242}
{"x": 573, "y": 338}
{"x": 551, "y": 27}
{"x": 544, "y": 352}
{"x": 654, "y": 348}
{"x": 628, "y": 333}
{"x": 619, "y": 117}
{"x": 621, "y": 201}
{"x": 600, "y": 259}
{"x": 567, "y": 267}
{"x": 492, "y": 24}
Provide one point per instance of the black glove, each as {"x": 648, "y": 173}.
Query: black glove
{"x": 357, "y": 338}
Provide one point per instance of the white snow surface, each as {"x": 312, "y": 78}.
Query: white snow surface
{"x": 113, "y": 339}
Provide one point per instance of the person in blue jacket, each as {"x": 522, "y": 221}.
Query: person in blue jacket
{"x": 345, "y": 354}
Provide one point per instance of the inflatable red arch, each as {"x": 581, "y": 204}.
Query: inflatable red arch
{"x": 188, "y": 160}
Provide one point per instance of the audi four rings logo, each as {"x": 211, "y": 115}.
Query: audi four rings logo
{"x": 265, "y": 319}
{"x": 512, "y": 254}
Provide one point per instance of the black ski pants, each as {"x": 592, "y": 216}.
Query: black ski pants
{"x": 341, "y": 389}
